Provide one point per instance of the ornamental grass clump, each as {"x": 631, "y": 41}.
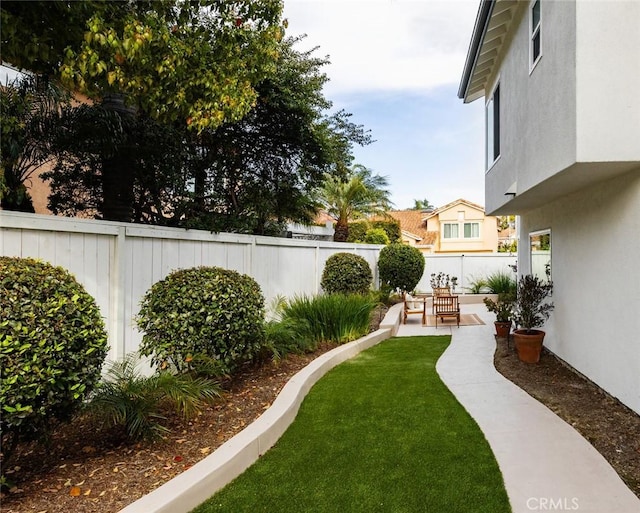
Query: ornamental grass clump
{"x": 331, "y": 318}
{"x": 200, "y": 314}
{"x": 52, "y": 346}
{"x": 501, "y": 282}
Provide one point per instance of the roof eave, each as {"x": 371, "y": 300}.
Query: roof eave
{"x": 479, "y": 31}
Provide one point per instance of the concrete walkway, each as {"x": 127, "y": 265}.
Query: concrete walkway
{"x": 546, "y": 464}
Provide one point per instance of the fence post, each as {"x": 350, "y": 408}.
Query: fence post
{"x": 118, "y": 271}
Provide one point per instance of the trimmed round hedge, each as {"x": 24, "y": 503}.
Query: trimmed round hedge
{"x": 200, "y": 312}
{"x": 52, "y": 346}
{"x": 400, "y": 266}
{"x": 346, "y": 273}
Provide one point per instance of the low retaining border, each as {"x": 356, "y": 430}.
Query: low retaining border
{"x": 196, "y": 484}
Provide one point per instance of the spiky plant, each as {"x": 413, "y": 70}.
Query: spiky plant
{"x": 137, "y": 403}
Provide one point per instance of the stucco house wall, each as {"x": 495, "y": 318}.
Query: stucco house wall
{"x": 570, "y": 163}
{"x": 461, "y": 212}
{"x": 538, "y": 107}
{"x": 594, "y": 259}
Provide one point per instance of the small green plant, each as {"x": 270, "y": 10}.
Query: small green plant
{"x": 283, "y": 336}
{"x": 358, "y": 230}
{"x": 331, "y": 318}
{"x": 442, "y": 280}
{"x": 477, "y": 285}
{"x": 346, "y": 273}
{"x": 136, "y": 403}
{"x": 52, "y": 347}
{"x": 202, "y": 312}
{"x": 503, "y": 307}
{"x": 501, "y": 282}
{"x": 400, "y": 266}
{"x": 376, "y": 236}
{"x": 531, "y": 310}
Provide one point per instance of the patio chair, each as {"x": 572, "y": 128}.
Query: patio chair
{"x": 414, "y": 305}
{"x": 438, "y": 292}
{"x": 447, "y": 306}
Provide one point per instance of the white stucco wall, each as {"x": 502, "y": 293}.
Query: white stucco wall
{"x": 595, "y": 257}
{"x": 538, "y": 108}
{"x": 608, "y": 77}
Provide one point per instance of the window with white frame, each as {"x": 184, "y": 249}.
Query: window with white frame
{"x": 535, "y": 49}
{"x": 468, "y": 230}
{"x": 450, "y": 231}
{"x": 493, "y": 127}
{"x": 471, "y": 230}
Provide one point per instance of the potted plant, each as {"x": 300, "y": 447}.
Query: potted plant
{"x": 531, "y": 311}
{"x": 503, "y": 308}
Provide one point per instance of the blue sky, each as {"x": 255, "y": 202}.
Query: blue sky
{"x": 396, "y": 66}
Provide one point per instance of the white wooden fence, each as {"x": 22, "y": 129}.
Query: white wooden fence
{"x": 118, "y": 262}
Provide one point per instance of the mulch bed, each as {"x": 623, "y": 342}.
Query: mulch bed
{"x": 611, "y": 427}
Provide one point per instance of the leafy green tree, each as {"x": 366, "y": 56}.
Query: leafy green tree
{"x": 259, "y": 172}
{"x": 192, "y": 63}
{"x": 358, "y": 194}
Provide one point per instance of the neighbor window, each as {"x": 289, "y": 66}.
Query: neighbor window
{"x": 450, "y": 231}
{"x": 471, "y": 230}
{"x": 535, "y": 33}
{"x": 468, "y": 230}
{"x": 493, "y": 127}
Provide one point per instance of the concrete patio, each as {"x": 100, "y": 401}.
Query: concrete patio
{"x": 547, "y": 465}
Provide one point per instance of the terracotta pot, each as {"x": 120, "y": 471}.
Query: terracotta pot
{"x": 529, "y": 345}
{"x": 502, "y": 328}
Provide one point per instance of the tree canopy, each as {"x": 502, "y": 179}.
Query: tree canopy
{"x": 194, "y": 62}
{"x": 202, "y": 114}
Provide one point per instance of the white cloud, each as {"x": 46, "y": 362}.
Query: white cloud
{"x": 376, "y": 45}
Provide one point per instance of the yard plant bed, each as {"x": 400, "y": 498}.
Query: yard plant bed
{"x": 84, "y": 470}
{"x": 612, "y": 428}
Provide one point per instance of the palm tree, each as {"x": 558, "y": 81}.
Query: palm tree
{"x": 422, "y": 204}
{"x": 358, "y": 194}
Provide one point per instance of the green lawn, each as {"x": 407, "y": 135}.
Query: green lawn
{"x": 379, "y": 432}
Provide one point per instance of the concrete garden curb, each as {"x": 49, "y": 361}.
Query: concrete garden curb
{"x": 195, "y": 485}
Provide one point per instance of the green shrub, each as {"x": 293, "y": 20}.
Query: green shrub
{"x": 400, "y": 266}
{"x": 358, "y": 230}
{"x": 331, "y": 318}
{"x": 391, "y": 228}
{"x": 202, "y": 312}
{"x": 127, "y": 399}
{"x": 376, "y": 236}
{"x": 52, "y": 347}
{"x": 477, "y": 285}
{"x": 283, "y": 336}
{"x": 346, "y": 273}
{"x": 501, "y": 282}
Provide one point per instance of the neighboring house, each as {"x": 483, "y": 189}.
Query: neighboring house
{"x": 414, "y": 229}
{"x": 457, "y": 227}
{"x": 560, "y": 83}
{"x": 463, "y": 227}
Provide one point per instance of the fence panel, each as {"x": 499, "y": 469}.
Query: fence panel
{"x": 466, "y": 267}
{"x": 119, "y": 262}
